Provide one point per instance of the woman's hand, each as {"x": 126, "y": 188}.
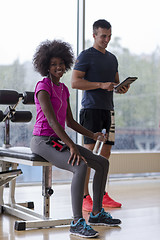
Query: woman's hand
{"x": 100, "y": 136}
{"x": 75, "y": 156}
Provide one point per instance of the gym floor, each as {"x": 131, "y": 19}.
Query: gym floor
{"x": 140, "y": 212}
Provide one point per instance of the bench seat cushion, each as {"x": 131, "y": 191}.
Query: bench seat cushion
{"x": 21, "y": 153}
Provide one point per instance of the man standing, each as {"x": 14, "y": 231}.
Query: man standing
{"x": 96, "y": 72}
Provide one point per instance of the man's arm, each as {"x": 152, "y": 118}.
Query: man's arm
{"x": 117, "y": 78}
{"x": 78, "y": 82}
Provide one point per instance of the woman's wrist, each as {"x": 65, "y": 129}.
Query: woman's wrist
{"x": 92, "y": 135}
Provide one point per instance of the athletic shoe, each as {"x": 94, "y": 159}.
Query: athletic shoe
{"x": 109, "y": 202}
{"x": 81, "y": 229}
{"x": 103, "y": 218}
{"x": 87, "y": 204}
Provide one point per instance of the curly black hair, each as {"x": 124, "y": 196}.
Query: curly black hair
{"x": 49, "y": 49}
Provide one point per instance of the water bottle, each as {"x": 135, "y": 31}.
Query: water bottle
{"x": 99, "y": 144}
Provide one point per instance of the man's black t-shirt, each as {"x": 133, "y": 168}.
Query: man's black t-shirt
{"x": 98, "y": 67}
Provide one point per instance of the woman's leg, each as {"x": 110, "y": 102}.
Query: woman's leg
{"x": 60, "y": 160}
{"x": 101, "y": 166}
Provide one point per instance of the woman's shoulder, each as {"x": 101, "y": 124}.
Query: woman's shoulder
{"x": 44, "y": 81}
{"x": 44, "y": 84}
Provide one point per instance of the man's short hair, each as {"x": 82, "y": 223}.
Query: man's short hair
{"x": 101, "y": 23}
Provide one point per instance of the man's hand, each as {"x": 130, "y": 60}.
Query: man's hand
{"x": 109, "y": 86}
{"x": 124, "y": 89}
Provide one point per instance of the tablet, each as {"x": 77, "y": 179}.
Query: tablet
{"x": 126, "y": 82}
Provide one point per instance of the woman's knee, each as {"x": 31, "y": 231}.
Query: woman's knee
{"x": 82, "y": 167}
{"x": 105, "y": 163}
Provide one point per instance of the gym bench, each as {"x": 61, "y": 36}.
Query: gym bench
{"x": 11, "y": 157}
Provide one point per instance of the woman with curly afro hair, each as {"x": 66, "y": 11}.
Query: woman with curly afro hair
{"x": 50, "y": 140}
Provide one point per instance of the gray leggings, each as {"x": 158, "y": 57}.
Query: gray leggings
{"x": 60, "y": 160}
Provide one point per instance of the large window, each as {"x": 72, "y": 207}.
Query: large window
{"x": 136, "y": 43}
{"x": 24, "y": 24}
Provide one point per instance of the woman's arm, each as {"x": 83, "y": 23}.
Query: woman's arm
{"x": 46, "y": 105}
{"x": 79, "y": 128}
